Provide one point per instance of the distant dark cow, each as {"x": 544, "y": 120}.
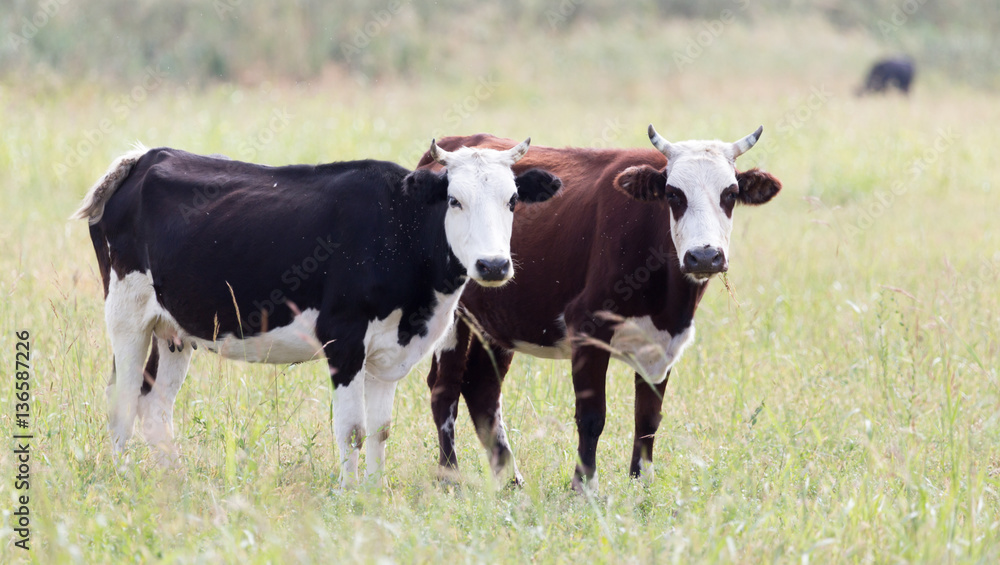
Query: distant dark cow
{"x": 888, "y": 73}
{"x": 612, "y": 268}
{"x": 362, "y": 262}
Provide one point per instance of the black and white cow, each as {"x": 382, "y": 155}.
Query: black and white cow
{"x": 362, "y": 262}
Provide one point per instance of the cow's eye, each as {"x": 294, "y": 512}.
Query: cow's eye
{"x": 454, "y": 203}
{"x": 512, "y": 203}
{"x": 731, "y": 192}
{"x": 673, "y": 195}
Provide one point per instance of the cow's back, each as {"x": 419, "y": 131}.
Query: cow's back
{"x": 212, "y": 231}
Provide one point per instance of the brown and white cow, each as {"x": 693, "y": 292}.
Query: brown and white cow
{"x": 612, "y": 268}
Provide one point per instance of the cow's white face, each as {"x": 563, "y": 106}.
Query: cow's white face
{"x": 481, "y": 194}
{"x": 701, "y": 190}
{"x": 480, "y": 216}
{"x": 701, "y": 186}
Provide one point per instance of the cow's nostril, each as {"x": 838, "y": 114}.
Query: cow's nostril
{"x": 705, "y": 260}
{"x": 493, "y": 269}
{"x": 690, "y": 261}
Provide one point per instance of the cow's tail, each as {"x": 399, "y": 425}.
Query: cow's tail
{"x": 92, "y": 207}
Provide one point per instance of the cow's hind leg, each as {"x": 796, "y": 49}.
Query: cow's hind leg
{"x": 165, "y": 373}
{"x": 130, "y": 330}
{"x": 487, "y": 366}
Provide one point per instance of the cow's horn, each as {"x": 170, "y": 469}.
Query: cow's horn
{"x": 519, "y": 150}
{"x": 439, "y": 155}
{"x": 658, "y": 142}
{"x": 744, "y": 145}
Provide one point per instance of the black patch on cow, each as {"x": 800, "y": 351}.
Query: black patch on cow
{"x": 756, "y": 187}
{"x": 728, "y": 198}
{"x": 418, "y": 312}
{"x": 427, "y": 186}
{"x": 149, "y": 374}
{"x": 677, "y": 200}
{"x": 536, "y": 185}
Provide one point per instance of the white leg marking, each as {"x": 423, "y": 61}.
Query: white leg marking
{"x": 126, "y": 312}
{"x": 500, "y": 429}
{"x": 448, "y": 342}
{"x": 156, "y": 409}
{"x": 349, "y": 426}
{"x": 448, "y": 426}
{"x": 646, "y": 471}
{"x": 378, "y": 409}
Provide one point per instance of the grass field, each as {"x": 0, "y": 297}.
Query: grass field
{"x": 841, "y": 405}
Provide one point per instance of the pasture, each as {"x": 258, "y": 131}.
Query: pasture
{"x": 841, "y": 402}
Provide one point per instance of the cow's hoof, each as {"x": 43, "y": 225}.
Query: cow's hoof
{"x": 516, "y": 481}
{"x": 584, "y": 486}
{"x": 448, "y": 476}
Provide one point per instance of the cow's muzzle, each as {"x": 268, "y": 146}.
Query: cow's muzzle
{"x": 495, "y": 270}
{"x": 703, "y": 262}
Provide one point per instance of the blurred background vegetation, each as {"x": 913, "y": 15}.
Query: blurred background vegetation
{"x": 842, "y": 403}
{"x": 199, "y": 42}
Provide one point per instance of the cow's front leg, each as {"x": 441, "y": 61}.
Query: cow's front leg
{"x": 648, "y": 406}
{"x": 349, "y": 424}
{"x": 448, "y": 370}
{"x": 590, "y": 366}
{"x": 343, "y": 343}
{"x": 379, "y": 395}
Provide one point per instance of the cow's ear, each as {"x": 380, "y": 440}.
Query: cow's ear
{"x": 426, "y": 186}
{"x": 642, "y": 183}
{"x": 536, "y": 185}
{"x": 757, "y": 187}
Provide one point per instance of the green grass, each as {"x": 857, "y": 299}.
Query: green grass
{"x": 842, "y": 406}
